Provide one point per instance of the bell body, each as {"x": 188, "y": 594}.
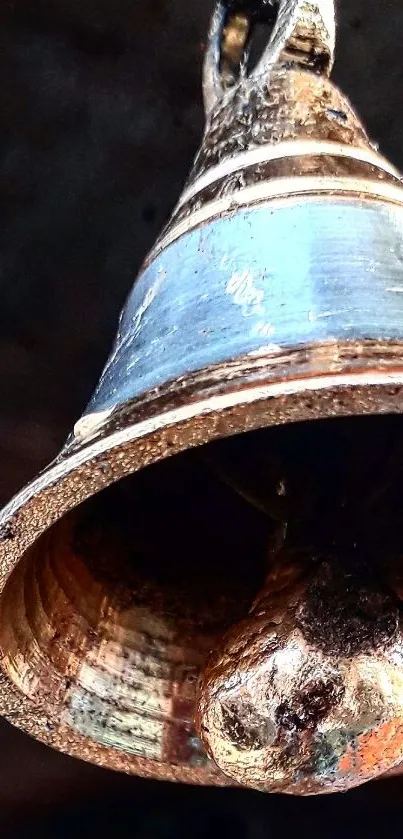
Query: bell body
{"x": 283, "y": 259}
{"x": 275, "y": 294}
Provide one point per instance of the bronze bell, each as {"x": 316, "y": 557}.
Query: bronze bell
{"x": 244, "y": 437}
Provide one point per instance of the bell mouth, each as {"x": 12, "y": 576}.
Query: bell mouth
{"x": 105, "y": 623}
{"x": 107, "y": 619}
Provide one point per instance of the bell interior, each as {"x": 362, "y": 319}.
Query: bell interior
{"x": 107, "y": 620}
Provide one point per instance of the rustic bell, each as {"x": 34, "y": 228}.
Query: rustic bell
{"x": 229, "y": 449}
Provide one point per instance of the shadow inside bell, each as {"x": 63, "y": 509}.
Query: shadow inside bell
{"x": 118, "y": 605}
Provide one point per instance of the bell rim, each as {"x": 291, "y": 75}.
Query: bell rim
{"x": 77, "y": 475}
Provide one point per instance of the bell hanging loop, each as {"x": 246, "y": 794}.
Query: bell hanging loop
{"x": 299, "y": 31}
{"x": 191, "y": 590}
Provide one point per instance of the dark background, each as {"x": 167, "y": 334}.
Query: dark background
{"x": 100, "y": 116}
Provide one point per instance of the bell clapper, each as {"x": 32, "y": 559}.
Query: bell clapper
{"x": 304, "y": 694}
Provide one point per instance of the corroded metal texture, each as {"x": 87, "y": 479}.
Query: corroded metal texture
{"x": 247, "y": 314}
{"x": 305, "y": 696}
{"x": 285, "y": 154}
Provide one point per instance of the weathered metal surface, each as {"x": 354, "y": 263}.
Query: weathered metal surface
{"x": 305, "y": 695}
{"x": 248, "y": 313}
{"x": 298, "y": 279}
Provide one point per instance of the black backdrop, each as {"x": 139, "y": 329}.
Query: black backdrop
{"x": 100, "y": 116}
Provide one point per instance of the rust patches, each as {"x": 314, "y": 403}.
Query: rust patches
{"x": 309, "y": 706}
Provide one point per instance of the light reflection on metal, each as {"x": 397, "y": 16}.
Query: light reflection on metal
{"x": 273, "y": 296}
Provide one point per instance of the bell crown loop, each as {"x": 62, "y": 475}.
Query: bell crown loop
{"x": 301, "y": 32}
